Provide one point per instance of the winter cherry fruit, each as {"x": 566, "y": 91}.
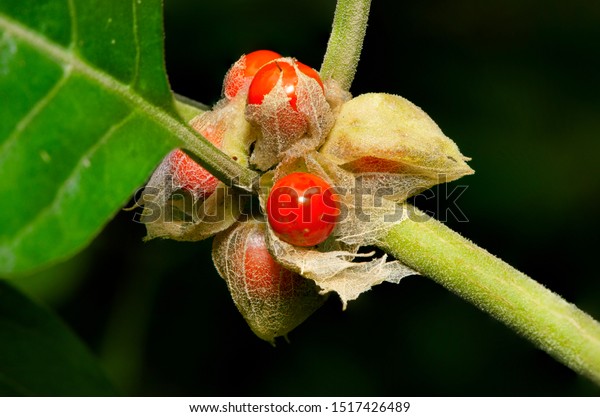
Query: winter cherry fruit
{"x": 272, "y": 299}
{"x": 262, "y": 273}
{"x": 286, "y": 101}
{"x": 191, "y": 176}
{"x": 267, "y": 77}
{"x": 302, "y": 209}
{"x": 244, "y": 69}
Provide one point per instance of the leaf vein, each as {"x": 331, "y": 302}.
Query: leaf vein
{"x": 74, "y": 29}
{"x": 33, "y": 113}
{"x": 136, "y": 41}
{"x": 70, "y": 182}
{"x": 125, "y": 91}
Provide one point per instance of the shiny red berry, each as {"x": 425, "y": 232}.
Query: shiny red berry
{"x": 268, "y": 76}
{"x": 302, "y": 209}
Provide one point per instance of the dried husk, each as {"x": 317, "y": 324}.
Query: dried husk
{"x": 173, "y": 213}
{"x": 172, "y": 210}
{"x": 335, "y": 265}
{"x": 286, "y": 131}
{"x": 339, "y": 271}
{"x": 236, "y": 133}
{"x": 273, "y": 311}
{"x": 335, "y": 95}
{"x": 392, "y": 146}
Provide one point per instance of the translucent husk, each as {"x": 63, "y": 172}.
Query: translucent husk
{"x": 174, "y": 210}
{"x": 237, "y": 133}
{"x": 286, "y": 131}
{"x": 381, "y": 150}
{"x": 270, "y": 312}
{"x": 392, "y": 146}
{"x": 335, "y": 265}
{"x": 176, "y": 214}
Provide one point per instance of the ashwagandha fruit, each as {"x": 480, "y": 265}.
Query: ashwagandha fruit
{"x": 272, "y": 299}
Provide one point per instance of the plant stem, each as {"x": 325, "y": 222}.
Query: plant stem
{"x": 210, "y": 157}
{"x": 188, "y": 108}
{"x": 560, "y": 328}
{"x": 345, "y": 42}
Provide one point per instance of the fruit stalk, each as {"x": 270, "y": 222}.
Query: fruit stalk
{"x": 345, "y": 42}
{"x": 554, "y": 325}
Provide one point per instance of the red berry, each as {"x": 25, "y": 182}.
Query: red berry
{"x": 241, "y": 73}
{"x": 268, "y": 76}
{"x": 302, "y": 209}
{"x": 190, "y": 176}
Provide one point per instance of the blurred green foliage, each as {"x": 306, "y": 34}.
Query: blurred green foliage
{"x": 514, "y": 83}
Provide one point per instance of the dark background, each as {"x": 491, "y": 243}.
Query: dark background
{"x": 514, "y": 83}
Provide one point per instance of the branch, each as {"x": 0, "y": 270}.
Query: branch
{"x": 345, "y": 42}
{"x": 560, "y": 328}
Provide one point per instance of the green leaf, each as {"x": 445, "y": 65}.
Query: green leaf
{"x": 39, "y": 356}
{"x": 86, "y": 115}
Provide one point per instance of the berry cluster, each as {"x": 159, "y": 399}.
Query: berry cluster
{"x": 274, "y": 109}
{"x": 312, "y": 143}
{"x": 301, "y": 208}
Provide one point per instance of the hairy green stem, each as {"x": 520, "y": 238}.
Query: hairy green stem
{"x": 345, "y": 42}
{"x": 560, "y": 328}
